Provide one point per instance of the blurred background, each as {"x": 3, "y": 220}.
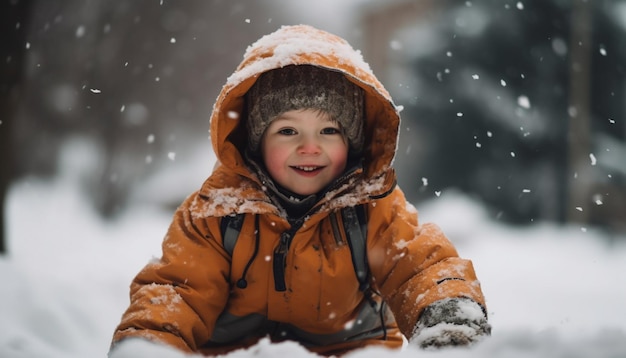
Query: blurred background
{"x": 518, "y": 104}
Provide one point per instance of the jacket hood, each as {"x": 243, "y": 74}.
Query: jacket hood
{"x": 305, "y": 45}
{"x": 298, "y": 45}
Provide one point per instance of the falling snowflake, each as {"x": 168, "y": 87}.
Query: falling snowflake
{"x": 523, "y": 102}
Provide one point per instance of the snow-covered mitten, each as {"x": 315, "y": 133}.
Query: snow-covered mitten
{"x": 451, "y": 322}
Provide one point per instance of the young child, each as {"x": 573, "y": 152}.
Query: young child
{"x": 301, "y": 233}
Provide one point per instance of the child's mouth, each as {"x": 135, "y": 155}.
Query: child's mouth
{"x": 307, "y": 169}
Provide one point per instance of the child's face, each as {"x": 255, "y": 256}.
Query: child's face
{"x": 304, "y": 150}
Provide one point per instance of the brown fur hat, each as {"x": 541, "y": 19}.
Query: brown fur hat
{"x": 305, "y": 87}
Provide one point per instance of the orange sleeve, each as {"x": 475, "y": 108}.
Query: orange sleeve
{"x": 414, "y": 265}
{"x": 177, "y": 298}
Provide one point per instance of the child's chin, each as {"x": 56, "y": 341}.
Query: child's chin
{"x": 306, "y": 191}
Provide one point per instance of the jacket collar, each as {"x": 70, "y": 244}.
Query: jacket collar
{"x": 295, "y": 206}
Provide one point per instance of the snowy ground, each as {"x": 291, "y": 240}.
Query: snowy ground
{"x": 551, "y": 291}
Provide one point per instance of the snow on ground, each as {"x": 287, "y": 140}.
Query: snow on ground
{"x": 551, "y": 291}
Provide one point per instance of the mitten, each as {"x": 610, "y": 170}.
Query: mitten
{"x": 451, "y": 322}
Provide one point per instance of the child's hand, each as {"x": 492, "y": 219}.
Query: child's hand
{"x": 451, "y": 322}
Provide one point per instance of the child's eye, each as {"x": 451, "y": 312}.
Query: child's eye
{"x": 331, "y": 130}
{"x": 287, "y": 131}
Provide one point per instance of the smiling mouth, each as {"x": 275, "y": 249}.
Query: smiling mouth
{"x": 307, "y": 169}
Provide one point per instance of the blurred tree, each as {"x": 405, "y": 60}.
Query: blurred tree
{"x": 579, "y": 129}
{"x": 495, "y": 101}
{"x": 13, "y": 25}
{"x": 606, "y": 196}
{"x": 137, "y": 78}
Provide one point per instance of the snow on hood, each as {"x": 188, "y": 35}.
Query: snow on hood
{"x": 289, "y": 46}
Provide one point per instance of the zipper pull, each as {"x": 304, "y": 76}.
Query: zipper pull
{"x": 280, "y": 260}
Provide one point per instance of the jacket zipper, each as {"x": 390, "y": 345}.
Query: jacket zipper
{"x": 280, "y": 256}
{"x": 280, "y": 253}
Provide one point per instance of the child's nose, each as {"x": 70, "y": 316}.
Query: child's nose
{"x": 309, "y": 145}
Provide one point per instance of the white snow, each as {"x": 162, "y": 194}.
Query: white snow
{"x": 284, "y": 47}
{"x": 551, "y": 291}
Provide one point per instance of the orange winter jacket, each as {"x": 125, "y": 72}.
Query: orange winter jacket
{"x": 190, "y": 298}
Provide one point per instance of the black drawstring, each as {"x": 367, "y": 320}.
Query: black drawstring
{"x": 242, "y": 283}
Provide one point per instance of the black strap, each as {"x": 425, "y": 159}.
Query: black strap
{"x": 230, "y": 227}
{"x": 355, "y": 227}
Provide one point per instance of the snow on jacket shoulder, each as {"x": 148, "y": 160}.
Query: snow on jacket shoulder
{"x": 200, "y": 298}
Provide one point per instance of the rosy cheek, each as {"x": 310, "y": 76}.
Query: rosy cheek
{"x": 340, "y": 158}
{"x": 273, "y": 160}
